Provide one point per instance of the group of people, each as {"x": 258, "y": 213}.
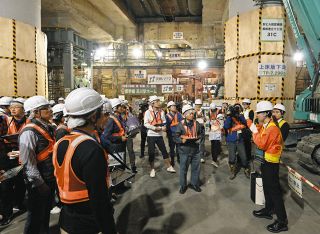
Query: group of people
{"x": 64, "y": 150}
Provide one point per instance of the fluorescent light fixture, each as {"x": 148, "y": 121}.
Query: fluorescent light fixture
{"x": 159, "y": 54}
{"x": 298, "y": 56}
{"x": 100, "y": 53}
{"x": 137, "y": 52}
{"x": 202, "y": 65}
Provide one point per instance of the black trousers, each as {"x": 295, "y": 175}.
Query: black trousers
{"x": 143, "y": 135}
{"x": 173, "y": 149}
{"x": 152, "y": 142}
{"x": 12, "y": 193}
{"x": 272, "y": 190}
{"x": 215, "y": 149}
{"x": 247, "y": 143}
{"x": 39, "y": 206}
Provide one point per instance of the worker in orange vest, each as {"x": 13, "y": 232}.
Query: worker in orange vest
{"x": 200, "y": 117}
{"x": 36, "y": 142}
{"x": 173, "y": 118}
{"x": 4, "y": 105}
{"x": 59, "y": 121}
{"x": 81, "y": 168}
{"x": 268, "y": 139}
{"x": 13, "y": 190}
{"x": 155, "y": 122}
{"x": 278, "y": 117}
{"x": 187, "y": 135}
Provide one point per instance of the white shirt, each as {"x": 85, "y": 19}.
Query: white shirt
{"x": 148, "y": 119}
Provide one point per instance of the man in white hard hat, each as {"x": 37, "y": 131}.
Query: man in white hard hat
{"x": 81, "y": 168}
{"x": 36, "y": 142}
{"x": 114, "y": 136}
{"x": 247, "y": 137}
{"x": 59, "y": 121}
{"x": 52, "y": 103}
{"x": 268, "y": 140}
{"x": 13, "y": 190}
{"x": 173, "y": 118}
{"x": 4, "y": 105}
{"x": 278, "y": 116}
{"x": 155, "y": 122}
{"x": 187, "y": 135}
{"x": 61, "y": 100}
{"x": 200, "y": 117}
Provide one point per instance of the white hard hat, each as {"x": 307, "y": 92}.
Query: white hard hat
{"x": 171, "y": 103}
{"x": 82, "y": 101}
{"x": 35, "y": 102}
{"x": 198, "y": 102}
{"x": 185, "y": 108}
{"x": 125, "y": 102}
{"x": 52, "y": 102}
{"x": 58, "y": 108}
{"x": 5, "y": 101}
{"x": 61, "y": 99}
{"x": 280, "y": 107}
{"x": 219, "y": 107}
{"x": 115, "y": 102}
{"x": 246, "y": 100}
{"x": 220, "y": 116}
{"x": 264, "y": 106}
{"x": 18, "y": 100}
{"x": 185, "y": 102}
{"x": 213, "y": 106}
{"x": 107, "y": 107}
{"x": 153, "y": 98}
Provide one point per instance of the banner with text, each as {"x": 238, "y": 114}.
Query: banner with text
{"x": 140, "y": 74}
{"x": 272, "y": 29}
{"x": 160, "y": 79}
{"x": 272, "y": 69}
{"x": 139, "y": 89}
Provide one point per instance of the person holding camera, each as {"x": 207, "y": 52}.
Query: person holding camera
{"x": 233, "y": 125}
{"x": 155, "y": 122}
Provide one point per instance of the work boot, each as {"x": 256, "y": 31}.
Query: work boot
{"x": 233, "y": 172}
{"x": 247, "y": 172}
{"x": 263, "y": 213}
{"x": 277, "y": 227}
{"x": 134, "y": 169}
{"x": 195, "y": 188}
{"x": 183, "y": 189}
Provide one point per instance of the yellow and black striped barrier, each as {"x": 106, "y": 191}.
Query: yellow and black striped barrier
{"x": 271, "y": 99}
{"x": 237, "y": 62}
{"x": 283, "y": 51}
{"x": 14, "y": 58}
{"x": 259, "y": 56}
{"x": 256, "y": 54}
{"x": 35, "y": 60}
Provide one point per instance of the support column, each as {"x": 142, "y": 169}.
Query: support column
{"x": 67, "y": 60}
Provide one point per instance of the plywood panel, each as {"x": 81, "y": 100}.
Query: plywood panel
{"x": 231, "y": 38}
{"x": 26, "y": 79}
{"x": 6, "y": 77}
{"x": 41, "y": 80}
{"x": 248, "y": 77}
{"x": 25, "y": 38}
{"x": 41, "y": 48}
{"x": 230, "y": 81}
{"x": 248, "y": 33}
{"x": 6, "y": 44}
{"x": 290, "y": 79}
{"x": 289, "y": 104}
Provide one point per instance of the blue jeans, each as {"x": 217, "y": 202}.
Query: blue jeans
{"x": 189, "y": 155}
{"x": 233, "y": 149}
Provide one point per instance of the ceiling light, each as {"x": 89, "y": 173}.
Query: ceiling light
{"x": 298, "y": 56}
{"x": 137, "y": 52}
{"x": 159, "y": 54}
{"x": 100, "y": 53}
{"x": 202, "y": 65}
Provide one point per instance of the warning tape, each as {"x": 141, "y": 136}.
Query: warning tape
{"x": 271, "y": 99}
{"x": 237, "y": 61}
{"x": 283, "y": 50}
{"x": 302, "y": 178}
{"x": 22, "y": 60}
{"x": 259, "y": 56}
{"x": 14, "y": 56}
{"x": 35, "y": 60}
{"x": 256, "y": 54}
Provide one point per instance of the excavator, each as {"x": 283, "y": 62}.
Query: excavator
{"x": 304, "y": 18}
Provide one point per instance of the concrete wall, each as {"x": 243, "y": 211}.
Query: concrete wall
{"x": 240, "y": 6}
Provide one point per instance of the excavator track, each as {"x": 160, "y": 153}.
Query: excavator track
{"x": 308, "y": 150}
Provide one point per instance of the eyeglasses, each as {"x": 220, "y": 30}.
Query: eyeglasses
{"x": 15, "y": 107}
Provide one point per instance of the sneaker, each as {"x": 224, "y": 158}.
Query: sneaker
{"x": 215, "y": 164}
{"x": 55, "y": 210}
{"x": 171, "y": 169}
{"x": 153, "y": 173}
{"x": 202, "y": 160}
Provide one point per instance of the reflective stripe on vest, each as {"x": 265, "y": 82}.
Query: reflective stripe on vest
{"x": 212, "y": 115}
{"x": 12, "y": 128}
{"x": 174, "y": 119}
{"x": 237, "y": 127}
{"x": 189, "y": 134}
{"x": 121, "y": 129}
{"x": 71, "y": 188}
{"x": 281, "y": 123}
{"x": 273, "y": 156}
{"x": 45, "y": 153}
{"x": 156, "y": 119}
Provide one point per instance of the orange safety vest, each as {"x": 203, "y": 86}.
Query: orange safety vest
{"x": 174, "y": 119}
{"x": 12, "y": 128}
{"x": 71, "y": 188}
{"x": 239, "y": 126}
{"x": 156, "y": 120}
{"x": 190, "y": 134}
{"x": 213, "y": 115}
{"x": 46, "y": 152}
{"x": 121, "y": 131}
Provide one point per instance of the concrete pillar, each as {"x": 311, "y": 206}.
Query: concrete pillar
{"x": 28, "y": 11}
{"x": 67, "y": 60}
{"x": 240, "y": 6}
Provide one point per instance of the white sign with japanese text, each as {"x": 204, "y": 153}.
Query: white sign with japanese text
{"x": 270, "y": 87}
{"x": 160, "y": 79}
{"x": 174, "y": 55}
{"x": 140, "y": 74}
{"x": 272, "y": 29}
{"x": 272, "y": 69}
{"x": 177, "y": 35}
{"x": 187, "y": 72}
{"x": 167, "y": 88}
{"x": 295, "y": 183}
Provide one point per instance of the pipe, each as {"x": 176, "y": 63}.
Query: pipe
{"x": 195, "y": 7}
{"x": 268, "y": 2}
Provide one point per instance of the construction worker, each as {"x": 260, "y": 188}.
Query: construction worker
{"x": 36, "y": 142}
{"x": 155, "y": 122}
{"x": 59, "y": 121}
{"x": 61, "y": 100}
{"x": 215, "y": 136}
{"x": 173, "y": 118}
{"x": 200, "y": 117}
{"x": 233, "y": 126}
{"x": 278, "y": 113}
{"x": 81, "y": 168}
{"x": 188, "y": 134}
{"x": 247, "y": 112}
{"x": 249, "y": 116}
{"x": 52, "y": 103}
{"x": 268, "y": 139}
{"x": 4, "y": 105}
{"x": 114, "y": 136}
